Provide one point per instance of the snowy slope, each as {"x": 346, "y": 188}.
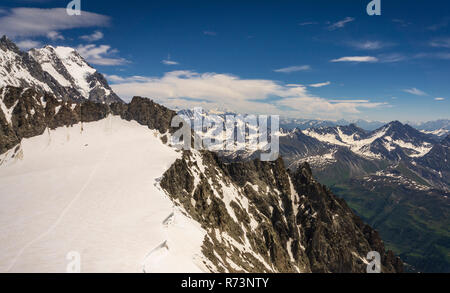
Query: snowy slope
{"x": 93, "y": 189}
{"x": 442, "y": 132}
{"x": 359, "y": 145}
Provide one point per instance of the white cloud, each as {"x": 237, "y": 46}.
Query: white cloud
{"x": 441, "y": 43}
{"x": 341, "y": 23}
{"x": 95, "y": 36}
{"x": 320, "y": 84}
{"x": 119, "y": 79}
{"x": 38, "y": 22}
{"x": 439, "y": 99}
{"x": 54, "y": 36}
{"x": 28, "y": 44}
{"x": 100, "y": 55}
{"x": 169, "y": 62}
{"x": 415, "y": 91}
{"x": 391, "y": 57}
{"x": 350, "y": 101}
{"x": 369, "y": 45}
{"x": 293, "y": 69}
{"x": 187, "y": 89}
{"x": 356, "y": 59}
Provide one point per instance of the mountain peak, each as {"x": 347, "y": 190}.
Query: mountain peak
{"x": 396, "y": 123}
{"x": 7, "y": 44}
{"x": 59, "y": 70}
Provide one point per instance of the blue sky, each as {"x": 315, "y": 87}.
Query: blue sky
{"x": 305, "y": 59}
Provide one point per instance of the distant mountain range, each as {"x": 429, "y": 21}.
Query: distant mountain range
{"x": 396, "y": 177}
{"x": 439, "y": 128}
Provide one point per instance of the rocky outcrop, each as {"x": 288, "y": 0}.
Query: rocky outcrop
{"x": 26, "y": 113}
{"x": 286, "y": 221}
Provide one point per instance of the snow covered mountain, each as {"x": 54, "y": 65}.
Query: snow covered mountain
{"x": 392, "y": 141}
{"x": 103, "y": 181}
{"x": 302, "y": 124}
{"x": 60, "y": 71}
{"x": 395, "y": 177}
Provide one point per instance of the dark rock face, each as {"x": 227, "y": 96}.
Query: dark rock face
{"x": 30, "y": 113}
{"x": 259, "y": 216}
{"x": 288, "y": 220}
{"x": 145, "y": 112}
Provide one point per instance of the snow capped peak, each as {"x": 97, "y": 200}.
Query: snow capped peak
{"x": 66, "y": 66}
{"x": 59, "y": 70}
{"x": 384, "y": 142}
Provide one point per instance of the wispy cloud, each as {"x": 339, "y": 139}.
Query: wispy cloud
{"x": 28, "y": 44}
{"x": 356, "y": 59}
{"x": 38, "y": 22}
{"x": 322, "y": 84}
{"x": 340, "y": 24}
{"x": 369, "y": 45}
{"x": 350, "y": 101}
{"x": 210, "y": 33}
{"x": 185, "y": 89}
{"x": 391, "y": 57}
{"x": 307, "y": 23}
{"x": 439, "y": 99}
{"x": 169, "y": 61}
{"x": 100, "y": 55}
{"x": 401, "y": 22}
{"x": 415, "y": 91}
{"x": 443, "y": 24}
{"x": 119, "y": 79}
{"x": 293, "y": 69}
{"x": 435, "y": 55}
{"x": 53, "y": 35}
{"x": 95, "y": 36}
{"x": 440, "y": 43}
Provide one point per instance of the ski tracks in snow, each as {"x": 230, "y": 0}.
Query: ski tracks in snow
{"x": 63, "y": 213}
